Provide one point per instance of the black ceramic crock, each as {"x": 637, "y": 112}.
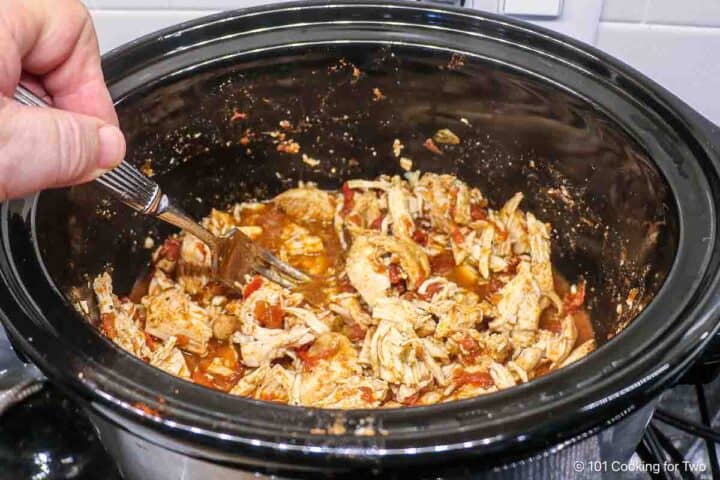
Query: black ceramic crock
{"x": 626, "y": 173}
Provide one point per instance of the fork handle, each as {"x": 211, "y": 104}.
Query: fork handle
{"x": 133, "y": 188}
{"x": 125, "y": 182}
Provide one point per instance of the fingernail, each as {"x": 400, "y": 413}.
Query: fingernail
{"x": 111, "y": 148}
{"x": 100, "y": 171}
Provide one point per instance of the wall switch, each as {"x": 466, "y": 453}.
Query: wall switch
{"x": 532, "y": 8}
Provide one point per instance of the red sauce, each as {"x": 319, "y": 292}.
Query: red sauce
{"x": 170, "y": 249}
{"x": 470, "y": 349}
{"x": 198, "y": 376}
{"x": 394, "y": 273}
{"x": 431, "y": 290}
{"x": 313, "y": 353}
{"x": 430, "y": 145}
{"x": 584, "y": 326}
{"x": 107, "y": 324}
{"x": 375, "y": 225}
{"x": 457, "y": 235}
{"x": 344, "y": 285}
{"x": 145, "y": 409}
{"x": 477, "y": 212}
{"x": 150, "y": 341}
{"x": 348, "y": 198}
{"x": 356, "y": 332}
{"x": 366, "y": 394}
{"x": 442, "y": 264}
{"x": 228, "y": 357}
{"x": 573, "y": 301}
{"x": 420, "y": 236}
{"x": 481, "y": 379}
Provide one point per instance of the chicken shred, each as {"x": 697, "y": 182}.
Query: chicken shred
{"x": 422, "y": 294}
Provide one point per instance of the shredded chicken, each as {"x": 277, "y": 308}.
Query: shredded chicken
{"x": 422, "y": 294}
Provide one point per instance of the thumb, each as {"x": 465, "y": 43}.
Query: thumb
{"x": 44, "y": 148}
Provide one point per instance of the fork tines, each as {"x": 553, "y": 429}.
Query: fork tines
{"x": 291, "y": 276}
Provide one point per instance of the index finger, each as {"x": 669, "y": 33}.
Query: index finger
{"x": 59, "y": 48}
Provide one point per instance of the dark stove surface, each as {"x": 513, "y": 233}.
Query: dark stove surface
{"x": 47, "y": 437}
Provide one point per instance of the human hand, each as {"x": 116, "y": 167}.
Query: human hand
{"x": 51, "y": 46}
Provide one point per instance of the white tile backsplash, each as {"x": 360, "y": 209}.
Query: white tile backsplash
{"x": 579, "y": 19}
{"x": 485, "y": 5}
{"x": 115, "y": 27}
{"x": 219, "y": 4}
{"x": 623, "y": 10}
{"x": 129, "y": 4}
{"x": 679, "y": 58}
{"x": 673, "y": 41}
{"x": 685, "y": 12}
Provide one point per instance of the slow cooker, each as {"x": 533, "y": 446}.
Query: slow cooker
{"x": 624, "y": 170}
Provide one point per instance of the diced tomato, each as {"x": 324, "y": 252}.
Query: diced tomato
{"x": 170, "y": 249}
{"x": 477, "y": 212}
{"x": 107, "y": 324}
{"x": 420, "y": 236}
{"x": 394, "y": 273}
{"x": 150, "y": 341}
{"x": 481, "y": 379}
{"x": 431, "y": 290}
{"x": 348, "y": 197}
{"x": 573, "y": 301}
{"x": 375, "y": 225}
{"x": 469, "y": 344}
{"x": 412, "y": 399}
{"x": 443, "y": 263}
{"x": 494, "y": 285}
{"x": 354, "y": 218}
{"x": 302, "y": 352}
{"x": 430, "y": 145}
{"x": 252, "y": 286}
{"x": 269, "y": 315}
{"x": 311, "y": 354}
{"x": 344, "y": 285}
{"x": 470, "y": 349}
{"x": 367, "y": 394}
{"x": 238, "y": 116}
{"x": 181, "y": 340}
{"x": 356, "y": 332}
{"x": 457, "y": 235}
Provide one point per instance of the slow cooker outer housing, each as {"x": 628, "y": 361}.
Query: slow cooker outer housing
{"x": 625, "y": 374}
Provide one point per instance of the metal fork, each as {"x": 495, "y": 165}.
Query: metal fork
{"x": 234, "y": 255}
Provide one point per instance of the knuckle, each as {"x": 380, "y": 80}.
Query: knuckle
{"x": 81, "y": 15}
{"x": 72, "y": 149}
